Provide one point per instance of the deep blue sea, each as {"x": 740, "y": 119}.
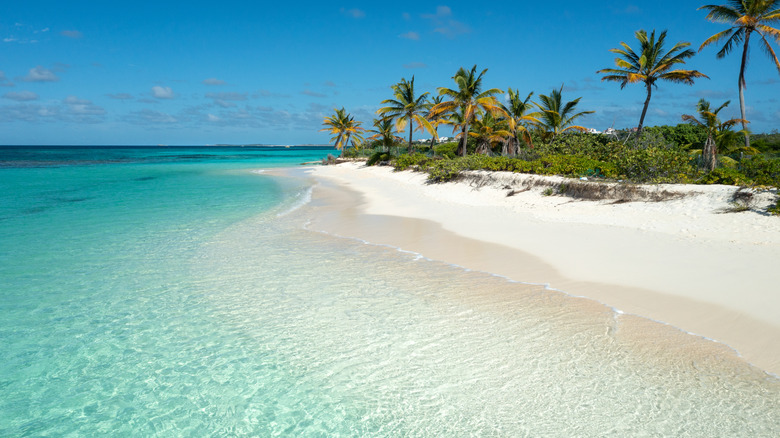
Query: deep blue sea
{"x": 177, "y": 291}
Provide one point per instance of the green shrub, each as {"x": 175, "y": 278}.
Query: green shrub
{"x": 654, "y": 164}
{"x": 683, "y": 135}
{"x": 377, "y": 157}
{"x": 349, "y": 153}
{"x": 449, "y": 169}
{"x": 724, "y": 175}
{"x": 763, "y": 171}
{"x": 405, "y": 161}
{"x": 775, "y": 209}
{"x": 727, "y": 162}
{"x": 573, "y": 144}
{"x": 766, "y": 142}
{"x": 446, "y": 150}
{"x": 568, "y": 165}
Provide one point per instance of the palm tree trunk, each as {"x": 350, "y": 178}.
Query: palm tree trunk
{"x": 463, "y": 138}
{"x": 346, "y": 144}
{"x": 644, "y": 110}
{"x": 709, "y": 154}
{"x": 411, "y": 125}
{"x": 742, "y": 87}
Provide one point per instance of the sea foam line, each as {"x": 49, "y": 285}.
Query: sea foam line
{"x": 302, "y": 198}
{"x": 616, "y": 312}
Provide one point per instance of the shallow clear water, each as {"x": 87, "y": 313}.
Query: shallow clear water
{"x": 151, "y": 295}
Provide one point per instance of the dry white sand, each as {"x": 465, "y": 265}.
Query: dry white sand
{"x": 681, "y": 261}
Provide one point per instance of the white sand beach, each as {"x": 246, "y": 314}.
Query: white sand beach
{"x": 682, "y": 261}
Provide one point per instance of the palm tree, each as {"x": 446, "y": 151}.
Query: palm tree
{"x": 435, "y": 120}
{"x": 489, "y": 131}
{"x": 556, "y": 117}
{"x": 344, "y": 128}
{"x": 716, "y": 130}
{"x": 456, "y": 120}
{"x": 406, "y": 108}
{"x": 745, "y": 18}
{"x": 649, "y": 65}
{"x": 467, "y": 99}
{"x": 383, "y": 131}
{"x": 519, "y": 117}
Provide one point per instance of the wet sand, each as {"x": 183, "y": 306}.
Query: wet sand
{"x": 680, "y": 262}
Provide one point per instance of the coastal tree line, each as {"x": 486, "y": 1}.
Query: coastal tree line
{"x": 487, "y": 126}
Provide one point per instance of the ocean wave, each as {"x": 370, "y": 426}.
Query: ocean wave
{"x": 300, "y": 199}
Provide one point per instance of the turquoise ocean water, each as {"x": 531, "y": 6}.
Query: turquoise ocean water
{"x": 178, "y": 292}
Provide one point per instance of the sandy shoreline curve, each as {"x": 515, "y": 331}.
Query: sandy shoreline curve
{"x": 682, "y": 261}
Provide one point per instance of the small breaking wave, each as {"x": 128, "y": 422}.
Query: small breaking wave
{"x": 300, "y": 199}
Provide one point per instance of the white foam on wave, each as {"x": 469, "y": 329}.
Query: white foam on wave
{"x": 616, "y": 312}
{"x": 301, "y": 198}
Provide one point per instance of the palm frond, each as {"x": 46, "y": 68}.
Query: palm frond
{"x": 715, "y": 38}
{"x": 721, "y": 14}
{"x": 768, "y": 48}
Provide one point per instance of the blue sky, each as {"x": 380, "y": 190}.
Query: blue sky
{"x": 89, "y": 72}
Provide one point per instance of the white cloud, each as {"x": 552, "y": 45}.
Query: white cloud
{"x": 40, "y": 74}
{"x": 410, "y": 36}
{"x": 69, "y": 110}
{"x": 120, "y": 96}
{"x": 83, "y": 107}
{"x": 225, "y": 100}
{"x": 630, "y": 9}
{"x": 712, "y": 94}
{"x": 444, "y": 23}
{"x": 162, "y": 92}
{"x": 73, "y": 100}
{"x": 227, "y": 96}
{"x": 213, "y": 118}
{"x": 660, "y": 112}
{"x": 4, "y": 82}
{"x": 72, "y": 34}
{"x": 266, "y": 93}
{"x": 213, "y": 81}
{"x": 354, "y": 13}
{"x": 770, "y": 81}
{"x": 313, "y": 93}
{"x": 21, "y": 96}
{"x": 146, "y": 116}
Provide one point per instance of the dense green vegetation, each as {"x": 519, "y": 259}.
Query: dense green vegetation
{"x": 662, "y": 154}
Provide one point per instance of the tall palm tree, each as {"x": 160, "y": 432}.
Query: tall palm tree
{"x": 557, "y": 117}
{"x": 383, "y": 131}
{"x": 406, "y": 108}
{"x": 467, "y": 99}
{"x": 708, "y": 119}
{"x": 745, "y": 17}
{"x": 650, "y": 64}
{"x": 519, "y": 117}
{"x": 344, "y": 128}
{"x": 435, "y": 120}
